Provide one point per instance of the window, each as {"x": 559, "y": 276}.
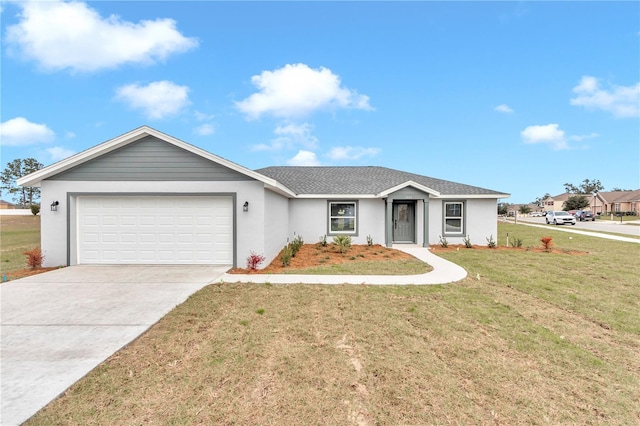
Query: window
{"x": 454, "y": 218}
{"x": 342, "y": 217}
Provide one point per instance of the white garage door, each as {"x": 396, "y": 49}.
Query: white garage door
{"x": 155, "y": 230}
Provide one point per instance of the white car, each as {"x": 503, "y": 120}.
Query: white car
{"x": 560, "y": 218}
{"x": 537, "y": 214}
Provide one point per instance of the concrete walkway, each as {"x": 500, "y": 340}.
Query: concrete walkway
{"x": 565, "y": 228}
{"x": 443, "y": 272}
{"x": 59, "y": 325}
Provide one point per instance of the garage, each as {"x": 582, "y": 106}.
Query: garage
{"x": 155, "y": 229}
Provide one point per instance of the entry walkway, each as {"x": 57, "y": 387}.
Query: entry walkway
{"x": 443, "y": 272}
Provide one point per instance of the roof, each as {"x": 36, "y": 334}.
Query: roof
{"x": 620, "y": 196}
{"x": 367, "y": 180}
{"x": 35, "y": 178}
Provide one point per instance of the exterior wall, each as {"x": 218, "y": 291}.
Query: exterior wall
{"x": 150, "y": 159}
{"x": 249, "y": 225}
{"x": 309, "y": 218}
{"x": 276, "y": 225}
{"x": 480, "y": 218}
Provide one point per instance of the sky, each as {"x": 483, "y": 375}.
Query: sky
{"x": 517, "y": 97}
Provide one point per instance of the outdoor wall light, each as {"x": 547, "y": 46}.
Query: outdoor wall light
{"x": 54, "y": 206}
{"x": 245, "y": 206}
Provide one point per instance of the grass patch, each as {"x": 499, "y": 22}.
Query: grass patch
{"x": 541, "y": 338}
{"x": 366, "y": 267}
{"x": 17, "y": 235}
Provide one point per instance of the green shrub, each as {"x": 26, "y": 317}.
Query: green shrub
{"x": 369, "y": 241}
{"x": 343, "y": 242}
{"x": 296, "y": 245}
{"x": 467, "y": 242}
{"x": 443, "y": 242}
{"x": 323, "y": 240}
{"x": 35, "y": 209}
{"x": 491, "y": 243}
{"x": 286, "y": 256}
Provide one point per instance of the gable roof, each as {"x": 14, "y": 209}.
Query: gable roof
{"x": 372, "y": 181}
{"x": 619, "y": 196}
{"x": 35, "y": 178}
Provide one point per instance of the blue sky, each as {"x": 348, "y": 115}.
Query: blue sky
{"x": 518, "y": 97}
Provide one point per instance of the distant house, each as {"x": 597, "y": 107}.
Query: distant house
{"x": 5, "y": 205}
{"x": 619, "y": 201}
{"x": 555, "y": 203}
{"x": 146, "y": 197}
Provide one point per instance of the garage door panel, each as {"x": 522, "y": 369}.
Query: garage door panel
{"x": 155, "y": 229}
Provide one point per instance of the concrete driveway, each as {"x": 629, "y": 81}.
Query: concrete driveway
{"x": 58, "y": 326}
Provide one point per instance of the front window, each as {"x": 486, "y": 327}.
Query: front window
{"x": 454, "y": 218}
{"x": 342, "y": 217}
{"x": 617, "y": 207}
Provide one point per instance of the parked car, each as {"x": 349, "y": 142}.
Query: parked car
{"x": 560, "y": 218}
{"x": 537, "y": 214}
{"x": 582, "y": 215}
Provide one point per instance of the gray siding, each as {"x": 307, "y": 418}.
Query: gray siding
{"x": 408, "y": 193}
{"x": 150, "y": 159}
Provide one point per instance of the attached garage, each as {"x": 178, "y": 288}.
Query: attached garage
{"x": 155, "y": 229}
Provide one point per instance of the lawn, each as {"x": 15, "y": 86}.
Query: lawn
{"x": 539, "y": 338}
{"x": 17, "y": 234}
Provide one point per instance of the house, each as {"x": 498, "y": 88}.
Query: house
{"x": 5, "y": 205}
{"x": 556, "y": 203}
{"x": 146, "y": 197}
{"x": 619, "y": 201}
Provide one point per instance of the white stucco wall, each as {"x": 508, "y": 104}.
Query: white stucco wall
{"x": 249, "y": 225}
{"x": 481, "y": 220}
{"x": 309, "y": 218}
{"x": 276, "y": 225}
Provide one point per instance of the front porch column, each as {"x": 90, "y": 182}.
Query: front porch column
{"x": 389, "y": 223}
{"x": 425, "y": 226}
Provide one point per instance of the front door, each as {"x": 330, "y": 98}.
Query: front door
{"x": 403, "y": 222}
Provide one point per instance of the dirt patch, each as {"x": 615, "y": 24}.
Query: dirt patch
{"x": 457, "y": 247}
{"x": 22, "y": 273}
{"x": 311, "y": 255}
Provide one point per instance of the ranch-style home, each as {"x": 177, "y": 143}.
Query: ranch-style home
{"x": 148, "y": 198}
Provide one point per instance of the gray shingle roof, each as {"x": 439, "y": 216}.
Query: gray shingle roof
{"x": 360, "y": 180}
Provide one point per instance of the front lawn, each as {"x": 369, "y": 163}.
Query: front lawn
{"x": 17, "y": 234}
{"x": 528, "y": 338}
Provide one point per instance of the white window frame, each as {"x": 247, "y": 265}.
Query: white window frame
{"x": 462, "y": 219}
{"x": 354, "y": 217}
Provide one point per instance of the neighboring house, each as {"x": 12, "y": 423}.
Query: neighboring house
{"x": 619, "y": 201}
{"x": 146, "y": 197}
{"x": 5, "y": 205}
{"x": 555, "y": 203}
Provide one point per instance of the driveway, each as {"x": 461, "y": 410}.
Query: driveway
{"x": 58, "y": 326}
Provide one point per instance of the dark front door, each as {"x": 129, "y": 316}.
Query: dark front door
{"x": 403, "y": 222}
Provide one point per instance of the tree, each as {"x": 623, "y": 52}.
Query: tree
{"x": 14, "y": 170}
{"x": 539, "y": 201}
{"x": 503, "y": 208}
{"x": 586, "y": 187}
{"x": 576, "y": 202}
{"x": 616, "y": 189}
{"x": 524, "y": 209}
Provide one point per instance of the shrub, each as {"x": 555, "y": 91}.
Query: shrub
{"x": 343, "y": 242}
{"x": 443, "y": 242}
{"x": 323, "y": 240}
{"x": 35, "y": 209}
{"x": 286, "y": 256}
{"x": 467, "y": 242}
{"x": 369, "y": 240}
{"x": 546, "y": 243}
{"x": 34, "y": 257}
{"x": 517, "y": 242}
{"x": 254, "y": 260}
{"x": 296, "y": 245}
{"x": 491, "y": 243}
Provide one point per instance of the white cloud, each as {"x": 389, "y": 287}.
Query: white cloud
{"x": 297, "y": 91}
{"x": 156, "y": 100}
{"x": 290, "y": 135}
{"x": 69, "y": 135}
{"x": 204, "y": 130}
{"x": 549, "y": 134}
{"x": 304, "y": 158}
{"x": 19, "y": 131}
{"x": 201, "y": 116}
{"x": 71, "y": 35}
{"x": 621, "y": 101}
{"x": 579, "y": 138}
{"x": 58, "y": 153}
{"x": 351, "y": 153}
{"x": 504, "y": 108}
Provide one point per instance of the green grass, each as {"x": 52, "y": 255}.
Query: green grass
{"x": 617, "y": 218}
{"x": 17, "y": 234}
{"x": 540, "y": 338}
